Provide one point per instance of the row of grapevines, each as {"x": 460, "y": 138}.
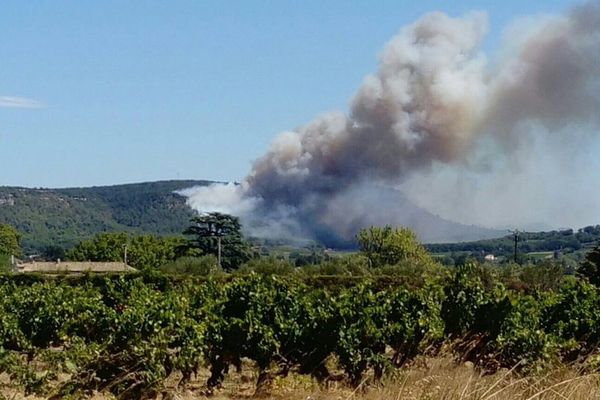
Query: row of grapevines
{"x": 127, "y": 336}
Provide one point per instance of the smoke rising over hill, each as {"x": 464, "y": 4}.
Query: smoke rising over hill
{"x": 474, "y": 140}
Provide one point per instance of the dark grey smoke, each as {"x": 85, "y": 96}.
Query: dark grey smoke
{"x": 434, "y": 103}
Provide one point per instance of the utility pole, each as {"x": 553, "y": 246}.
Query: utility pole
{"x": 211, "y": 228}
{"x": 516, "y": 238}
{"x": 219, "y": 249}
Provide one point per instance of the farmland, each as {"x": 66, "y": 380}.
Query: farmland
{"x": 206, "y": 317}
{"x": 130, "y": 335}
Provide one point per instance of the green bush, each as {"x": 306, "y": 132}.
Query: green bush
{"x": 5, "y": 265}
{"x": 350, "y": 265}
{"x": 268, "y": 266}
{"x": 199, "y": 266}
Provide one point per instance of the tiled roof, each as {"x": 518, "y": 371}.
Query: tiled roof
{"x": 71, "y": 266}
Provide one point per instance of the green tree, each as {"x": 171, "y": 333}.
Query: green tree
{"x": 10, "y": 241}
{"x": 219, "y": 235}
{"x": 391, "y": 246}
{"x": 102, "y": 247}
{"x": 54, "y": 253}
{"x": 143, "y": 251}
{"x": 590, "y": 268}
{"x": 202, "y": 266}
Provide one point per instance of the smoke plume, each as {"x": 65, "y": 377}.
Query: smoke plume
{"x": 477, "y": 140}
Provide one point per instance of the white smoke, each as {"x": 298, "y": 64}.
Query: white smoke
{"x": 495, "y": 143}
{"x": 224, "y": 198}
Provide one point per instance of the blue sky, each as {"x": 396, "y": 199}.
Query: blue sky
{"x": 104, "y": 92}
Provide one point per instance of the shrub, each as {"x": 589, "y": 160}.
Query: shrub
{"x": 200, "y": 266}
{"x": 268, "y": 266}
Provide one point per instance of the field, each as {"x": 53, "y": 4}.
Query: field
{"x": 448, "y": 333}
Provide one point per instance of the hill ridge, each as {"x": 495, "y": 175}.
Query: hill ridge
{"x": 64, "y": 216}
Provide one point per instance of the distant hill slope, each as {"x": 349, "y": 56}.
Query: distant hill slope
{"x": 432, "y": 228}
{"x": 389, "y": 206}
{"x": 65, "y": 216}
{"x": 558, "y": 240}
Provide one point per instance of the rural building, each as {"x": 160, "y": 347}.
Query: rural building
{"x": 70, "y": 267}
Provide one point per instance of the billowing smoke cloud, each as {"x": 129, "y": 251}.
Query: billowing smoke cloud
{"x": 443, "y": 125}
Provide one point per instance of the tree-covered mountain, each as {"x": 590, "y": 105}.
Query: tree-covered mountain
{"x": 50, "y": 218}
{"x": 63, "y": 217}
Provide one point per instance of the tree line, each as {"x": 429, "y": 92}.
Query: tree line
{"x": 561, "y": 240}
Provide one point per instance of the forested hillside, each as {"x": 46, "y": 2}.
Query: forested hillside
{"x": 566, "y": 240}
{"x": 63, "y": 217}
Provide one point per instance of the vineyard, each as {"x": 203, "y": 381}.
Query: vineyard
{"x": 127, "y": 335}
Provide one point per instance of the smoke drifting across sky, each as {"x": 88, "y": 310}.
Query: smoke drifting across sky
{"x": 511, "y": 140}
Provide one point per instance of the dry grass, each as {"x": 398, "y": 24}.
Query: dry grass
{"x": 442, "y": 380}
{"x": 433, "y": 379}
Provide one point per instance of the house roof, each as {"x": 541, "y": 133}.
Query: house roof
{"x": 73, "y": 267}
